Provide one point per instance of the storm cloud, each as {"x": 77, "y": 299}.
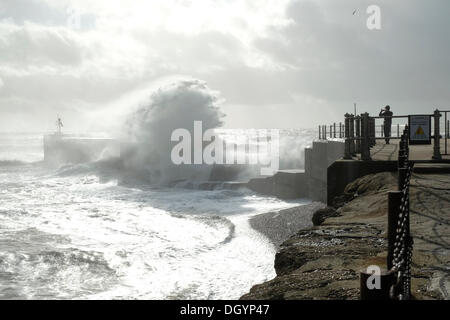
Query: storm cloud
{"x": 278, "y": 64}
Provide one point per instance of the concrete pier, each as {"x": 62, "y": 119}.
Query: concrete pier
{"x": 309, "y": 183}
{"x": 384, "y": 159}
{"x": 60, "y": 149}
{"x": 326, "y": 173}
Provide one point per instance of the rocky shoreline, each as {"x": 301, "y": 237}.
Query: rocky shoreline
{"x": 324, "y": 261}
{"x": 281, "y": 225}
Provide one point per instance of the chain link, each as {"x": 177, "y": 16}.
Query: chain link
{"x": 403, "y": 245}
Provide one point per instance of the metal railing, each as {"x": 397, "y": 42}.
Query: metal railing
{"x": 360, "y": 133}
{"x": 447, "y": 130}
{"x": 333, "y": 131}
{"x": 395, "y": 283}
{"x": 400, "y": 242}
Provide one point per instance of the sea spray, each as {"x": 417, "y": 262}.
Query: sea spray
{"x": 178, "y": 105}
{"x": 172, "y": 106}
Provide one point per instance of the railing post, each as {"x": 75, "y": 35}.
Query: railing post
{"x": 445, "y": 133}
{"x": 365, "y": 146}
{"x": 371, "y": 132}
{"x": 406, "y": 142}
{"x": 398, "y": 130}
{"x": 374, "y": 134}
{"x": 358, "y": 134}
{"x": 347, "y": 150}
{"x": 448, "y": 128}
{"x": 437, "y": 133}
{"x": 334, "y": 130}
{"x": 352, "y": 135}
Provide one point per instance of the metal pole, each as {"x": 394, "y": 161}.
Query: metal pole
{"x": 398, "y": 130}
{"x": 365, "y": 147}
{"x": 437, "y": 133}
{"x": 448, "y": 128}
{"x": 334, "y": 130}
{"x": 352, "y": 135}
{"x": 372, "y": 132}
{"x": 347, "y": 150}
{"x": 445, "y": 133}
{"x": 358, "y": 134}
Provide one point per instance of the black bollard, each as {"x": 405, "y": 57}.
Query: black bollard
{"x": 387, "y": 279}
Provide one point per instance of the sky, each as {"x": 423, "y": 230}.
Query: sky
{"x": 275, "y": 63}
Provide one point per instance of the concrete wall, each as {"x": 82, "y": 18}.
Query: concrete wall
{"x": 309, "y": 183}
{"x": 342, "y": 172}
{"x": 312, "y": 182}
{"x": 317, "y": 160}
{"x": 285, "y": 184}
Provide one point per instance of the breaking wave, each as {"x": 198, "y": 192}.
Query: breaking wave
{"x": 173, "y": 106}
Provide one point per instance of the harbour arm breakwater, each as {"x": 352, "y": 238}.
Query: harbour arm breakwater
{"x": 327, "y": 261}
{"x": 324, "y": 261}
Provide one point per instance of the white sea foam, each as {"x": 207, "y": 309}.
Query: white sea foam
{"x": 76, "y": 232}
{"x": 74, "y": 237}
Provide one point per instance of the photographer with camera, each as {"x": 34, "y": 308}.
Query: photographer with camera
{"x": 387, "y": 114}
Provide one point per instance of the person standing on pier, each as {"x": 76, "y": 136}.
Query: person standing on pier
{"x": 59, "y": 125}
{"x": 387, "y": 114}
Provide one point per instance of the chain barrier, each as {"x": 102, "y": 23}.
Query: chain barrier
{"x": 403, "y": 245}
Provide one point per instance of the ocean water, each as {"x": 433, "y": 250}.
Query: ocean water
{"x": 73, "y": 233}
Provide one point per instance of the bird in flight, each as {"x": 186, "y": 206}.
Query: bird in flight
{"x": 354, "y": 12}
